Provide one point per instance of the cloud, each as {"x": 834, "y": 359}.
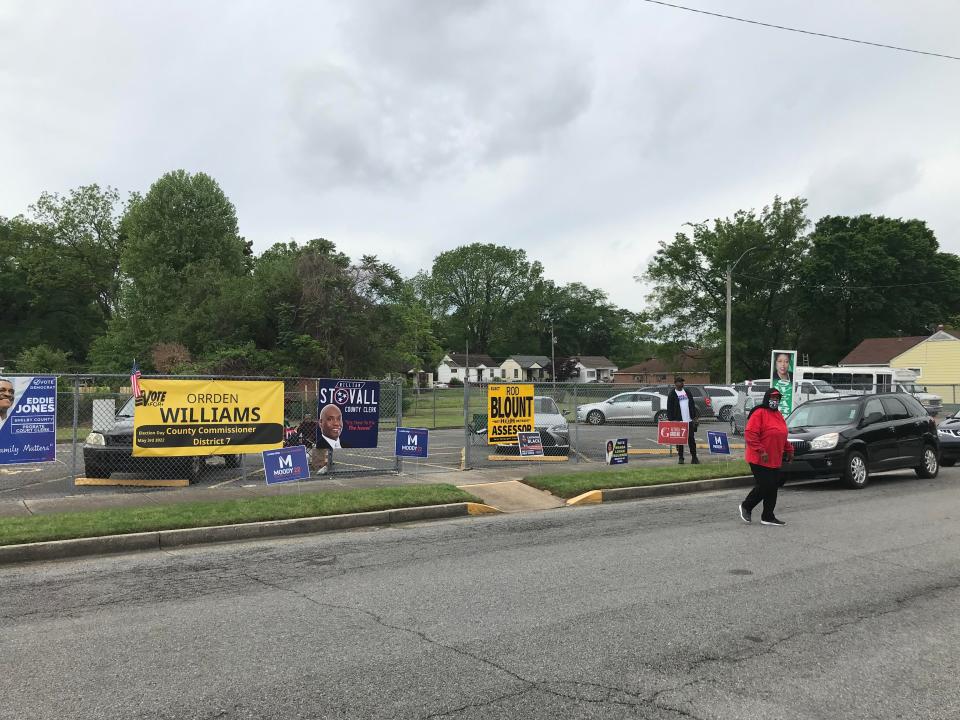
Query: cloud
{"x": 857, "y": 185}
{"x": 434, "y": 89}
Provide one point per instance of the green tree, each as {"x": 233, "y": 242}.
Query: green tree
{"x": 688, "y": 275}
{"x": 873, "y": 277}
{"x": 188, "y": 271}
{"x": 478, "y": 285}
{"x": 43, "y": 359}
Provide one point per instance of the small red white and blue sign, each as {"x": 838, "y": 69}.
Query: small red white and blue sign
{"x": 718, "y": 443}
{"x": 286, "y": 464}
{"x": 531, "y": 444}
{"x": 412, "y": 442}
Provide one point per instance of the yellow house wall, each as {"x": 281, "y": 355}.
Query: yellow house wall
{"x": 939, "y": 361}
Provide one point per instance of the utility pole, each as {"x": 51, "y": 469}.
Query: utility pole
{"x": 553, "y": 358}
{"x": 729, "y": 312}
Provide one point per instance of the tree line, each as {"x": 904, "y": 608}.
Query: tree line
{"x": 89, "y": 281}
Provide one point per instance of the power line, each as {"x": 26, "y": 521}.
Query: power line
{"x": 797, "y": 30}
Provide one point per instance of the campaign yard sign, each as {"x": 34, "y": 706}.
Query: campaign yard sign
{"x": 358, "y": 402}
{"x": 672, "y": 432}
{"x": 286, "y": 464}
{"x": 718, "y": 443}
{"x": 530, "y": 443}
{"x": 509, "y": 411}
{"x": 412, "y": 442}
{"x": 617, "y": 451}
{"x": 173, "y": 418}
{"x": 28, "y": 419}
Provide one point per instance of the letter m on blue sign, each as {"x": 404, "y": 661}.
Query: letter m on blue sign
{"x": 285, "y": 461}
{"x": 411, "y": 439}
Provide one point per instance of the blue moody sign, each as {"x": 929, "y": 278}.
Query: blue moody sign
{"x": 286, "y": 464}
{"x": 718, "y": 443}
{"x": 28, "y": 419}
{"x": 412, "y": 442}
{"x": 358, "y": 402}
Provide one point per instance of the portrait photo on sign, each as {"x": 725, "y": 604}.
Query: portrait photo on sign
{"x": 348, "y": 413}
{"x": 782, "y": 365}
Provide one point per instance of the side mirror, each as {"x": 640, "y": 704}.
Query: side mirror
{"x": 871, "y": 419}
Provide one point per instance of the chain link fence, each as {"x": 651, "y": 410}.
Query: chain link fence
{"x": 94, "y": 431}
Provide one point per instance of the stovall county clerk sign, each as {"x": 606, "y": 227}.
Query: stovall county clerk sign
{"x": 509, "y": 411}
{"x": 672, "y": 432}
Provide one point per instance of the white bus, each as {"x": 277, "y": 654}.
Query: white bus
{"x": 860, "y": 380}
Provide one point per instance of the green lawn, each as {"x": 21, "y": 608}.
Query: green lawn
{"x": 570, "y": 485}
{"x": 62, "y": 526}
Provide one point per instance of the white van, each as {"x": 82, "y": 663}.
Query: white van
{"x": 802, "y": 391}
{"x": 860, "y": 380}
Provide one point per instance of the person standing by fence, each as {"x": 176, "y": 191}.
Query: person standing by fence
{"x": 766, "y": 436}
{"x": 681, "y": 407}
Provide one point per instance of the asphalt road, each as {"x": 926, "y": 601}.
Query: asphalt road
{"x": 668, "y": 608}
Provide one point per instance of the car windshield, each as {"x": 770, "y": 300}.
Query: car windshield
{"x": 823, "y": 414}
{"x": 127, "y": 410}
{"x": 911, "y": 388}
{"x": 545, "y": 406}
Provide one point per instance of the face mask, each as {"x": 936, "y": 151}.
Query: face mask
{"x": 773, "y": 403}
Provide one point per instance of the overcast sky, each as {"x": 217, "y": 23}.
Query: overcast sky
{"x": 582, "y": 131}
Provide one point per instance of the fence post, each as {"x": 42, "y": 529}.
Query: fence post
{"x": 397, "y": 460}
{"x": 76, "y": 419}
{"x": 466, "y": 424}
{"x": 576, "y": 426}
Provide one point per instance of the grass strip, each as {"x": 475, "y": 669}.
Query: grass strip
{"x": 570, "y": 485}
{"x": 63, "y": 526}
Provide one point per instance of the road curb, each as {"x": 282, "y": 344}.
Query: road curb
{"x": 166, "y": 539}
{"x": 644, "y": 491}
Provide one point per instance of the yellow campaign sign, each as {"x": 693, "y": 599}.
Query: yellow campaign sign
{"x": 173, "y": 418}
{"x": 509, "y": 411}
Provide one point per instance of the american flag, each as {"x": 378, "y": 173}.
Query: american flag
{"x": 135, "y": 380}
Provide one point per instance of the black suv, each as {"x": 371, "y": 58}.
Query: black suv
{"x": 111, "y": 450}
{"x": 851, "y": 437}
{"x": 701, "y": 397}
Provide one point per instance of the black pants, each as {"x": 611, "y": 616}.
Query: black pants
{"x": 691, "y": 441}
{"x": 768, "y": 480}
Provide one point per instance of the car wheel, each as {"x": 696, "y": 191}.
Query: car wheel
{"x": 948, "y": 463}
{"x": 231, "y": 461}
{"x": 660, "y": 416}
{"x": 188, "y": 468}
{"x": 595, "y": 417}
{"x": 931, "y": 465}
{"x": 855, "y": 472}
{"x": 96, "y": 471}
{"x": 725, "y": 413}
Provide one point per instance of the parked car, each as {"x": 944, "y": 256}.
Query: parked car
{"x": 854, "y": 436}
{"x": 738, "y": 416}
{"x": 625, "y": 407}
{"x": 111, "y": 450}
{"x": 723, "y": 400}
{"x": 548, "y": 420}
{"x": 813, "y": 390}
{"x": 703, "y": 400}
{"x": 949, "y": 433}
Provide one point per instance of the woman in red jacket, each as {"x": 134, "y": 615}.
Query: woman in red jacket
{"x": 766, "y": 436}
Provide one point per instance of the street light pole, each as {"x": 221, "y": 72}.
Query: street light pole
{"x": 553, "y": 358}
{"x": 729, "y": 313}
